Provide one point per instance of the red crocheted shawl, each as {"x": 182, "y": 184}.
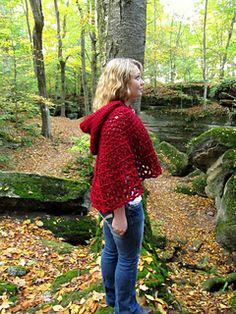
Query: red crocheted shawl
{"x": 125, "y": 155}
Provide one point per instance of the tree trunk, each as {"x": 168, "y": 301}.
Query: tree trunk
{"x": 102, "y": 14}
{"x": 227, "y": 46}
{"x": 61, "y": 61}
{"x": 205, "y": 56}
{"x": 126, "y": 32}
{"x": 93, "y": 48}
{"x": 26, "y": 10}
{"x": 83, "y": 60}
{"x": 36, "y": 6}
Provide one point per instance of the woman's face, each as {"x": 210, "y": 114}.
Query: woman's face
{"x": 135, "y": 85}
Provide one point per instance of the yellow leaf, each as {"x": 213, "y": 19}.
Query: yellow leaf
{"x": 57, "y": 308}
{"x": 39, "y": 223}
{"x": 74, "y": 308}
{"x": 143, "y": 287}
{"x": 5, "y": 305}
{"x": 148, "y": 259}
{"x": 149, "y": 297}
{"x": 98, "y": 296}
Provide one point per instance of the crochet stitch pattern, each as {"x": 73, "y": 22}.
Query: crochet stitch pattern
{"x": 125, "y": 155}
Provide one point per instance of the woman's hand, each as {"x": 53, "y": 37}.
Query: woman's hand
{"x": 119, "y": 223}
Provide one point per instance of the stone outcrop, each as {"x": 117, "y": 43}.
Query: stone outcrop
{"x": 214, "y": 152}
{"x": 31, "y": 192}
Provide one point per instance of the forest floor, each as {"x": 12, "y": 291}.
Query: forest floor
{"x": 187, "y": 221}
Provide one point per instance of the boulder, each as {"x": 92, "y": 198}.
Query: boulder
{"x": 214, "y": 152}
{"x": 226, "y": 217}
{"x": 204, "y": 150}
{"x": 218, "y": 174}
{"x": 31, "y": 192}
{"x": 172, "y": 159}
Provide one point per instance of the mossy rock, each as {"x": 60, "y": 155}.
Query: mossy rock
{"x": 172, "y": 159}
{"x": 7, "y": 287}
{"x": 193, "y": 184}
{"x": 74, "y": 230}
{"x": 218, "y": 173}
{"x": 226, "y": 218}
{"x": 17, "y": 271}
{"x": 35, "y": 192}
{"x": 205, "y": 149}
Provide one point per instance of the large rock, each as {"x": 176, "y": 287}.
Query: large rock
{"x": 204, "y": 150}
{"x": 226, "y": 217}
{"x": 218, "y": 174}
{"x": 214, "y": 152}
{"x": 31, "y": 192}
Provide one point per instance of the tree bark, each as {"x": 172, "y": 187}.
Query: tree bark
{"x": 227, "y": 46}
{"x": 83, "y": 60}
{"x": 126, "y": 31}
{"x": 26, "y": 10}
{"x": 61, "y": 60}
{"x": 93, "y": 47}
{"x": 205, "y": 56}
{"x": 36, "y": 6}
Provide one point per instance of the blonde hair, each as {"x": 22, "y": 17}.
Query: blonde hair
{"x": 113, "y": 84}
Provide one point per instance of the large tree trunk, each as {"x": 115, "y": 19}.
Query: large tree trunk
{"x": 126, "y": 31}
{"x": 36, "y": 6}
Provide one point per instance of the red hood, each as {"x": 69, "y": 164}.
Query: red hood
{"x": 94, "y": 122}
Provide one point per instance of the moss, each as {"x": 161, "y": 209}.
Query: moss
{"x": 73, "y": 230}
{"x": 233, "y": 302}
{"x": 225, "y": 136}
{"x": 67, "y": 277}
{"x": 193, "y": 184}
{"x": 7, "y": 287}
{"x": 171, "y": 158}
{"x": 229, "y": 199}
{"x": 60, "y": 247}
{"x": 229, "y": 159}
{"x": 42, "y": 188}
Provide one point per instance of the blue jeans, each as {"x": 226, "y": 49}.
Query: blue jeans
{"x": 120, "y": 261}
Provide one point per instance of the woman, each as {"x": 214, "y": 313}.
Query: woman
{"x": 125, "y": 157}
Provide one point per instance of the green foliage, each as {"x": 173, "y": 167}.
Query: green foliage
{"x": 233, "y": 302}
{"x": 7, "y": 287}
{"x": 67, "y": 277}
{"x": 192, "y": 184}
{"x": 4, "y": 159}
{"x": 85, "y": 159}
{"x": 184, "y": 189}
{"x": 227, "y": 86}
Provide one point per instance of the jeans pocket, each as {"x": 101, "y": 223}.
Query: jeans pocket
{"x": 134, "y": 213}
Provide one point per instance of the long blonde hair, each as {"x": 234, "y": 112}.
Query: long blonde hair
{"x": 113, "y": 83}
